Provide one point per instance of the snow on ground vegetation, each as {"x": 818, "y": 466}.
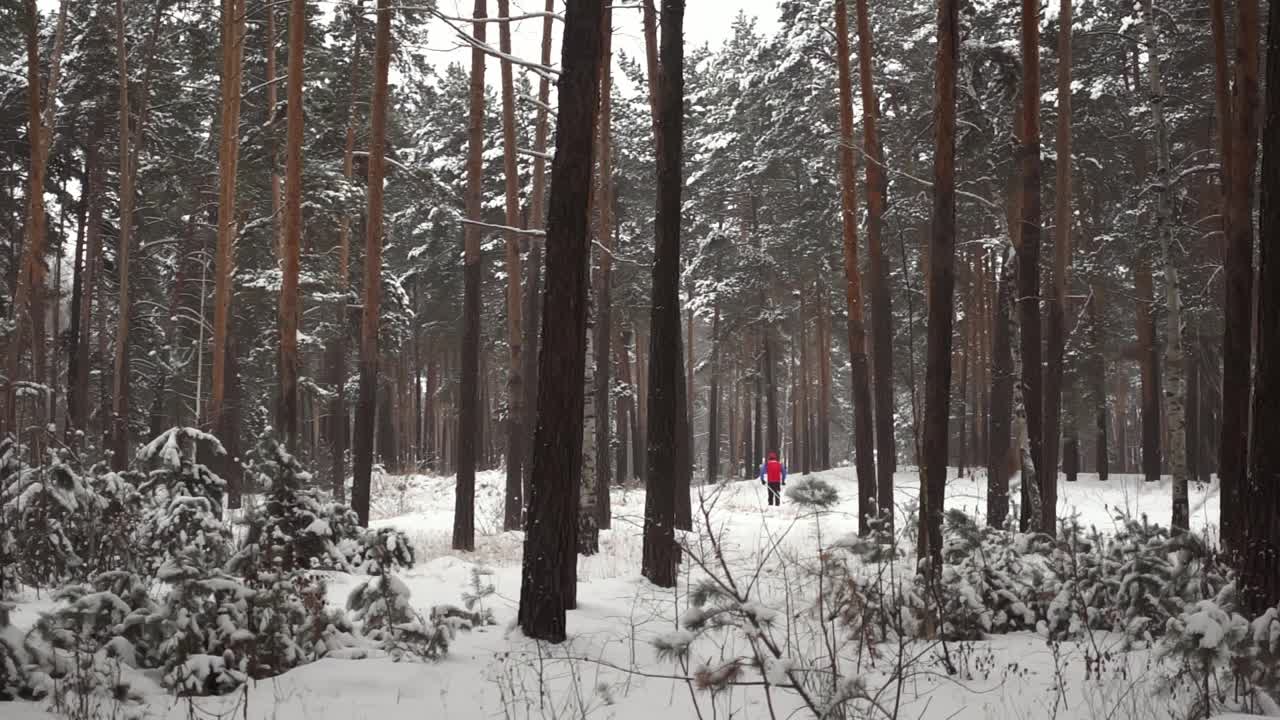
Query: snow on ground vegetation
{"x": 784, "y": 612}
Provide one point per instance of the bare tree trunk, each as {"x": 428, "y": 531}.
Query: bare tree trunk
{"x": 660, "y": 556}
{"x": 55, "y": 65}
{"x": 533, "y": 288}
{"x": 550, "y": 562}
{"x": 684, "y": 440}
{"x": 338, "y": 409}
{"x": 806, "y": 442}
{"x": 1002, "y": 381}
{"x": 78, "y": 394}
{"x": 1054, "y": 430}
{"x": 1122, "y": 425}
{"x": 120, "y": 374}
{"x": 28, "y": 313}
{"x": 291, "y": 240}
{"x": 961, "y": 360}
{"x": 1029, "y": 255}
{"x": 366, "y": 408}
{"x": 628, "y": 448}
{"x": 1099, "y": 372}
{"x": 228, "y": 161}
{"x": 882, "y": 311}
{"x": 1260, "y": 537}
{"x": 772, "y": 432}
{"x": 75, "y": 341}
{"x": 1174, "y": 385}
{"x": 713, "y": 402}
{"x": 824, "y": 380}
{"x": 1239, "y": 158}
{"x": 864, "y": 431}
{"x": 512, "y": 517}
{"x": 1148, "y": 359}
{"x": 942, "y": 280}
{"x": 1032, "y": 514}
{"x": 464, "y": 531}
{"x": 603, "y": 285}
{"x": 588, "y": 513}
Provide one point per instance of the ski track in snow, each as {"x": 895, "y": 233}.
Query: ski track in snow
{"x": 495, "y": 673}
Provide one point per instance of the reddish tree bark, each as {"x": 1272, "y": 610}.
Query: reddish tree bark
{"x": 1260, "y": 531}
{"x": 366, "y": 409}
{"x": 942, "y": 279}
{"x": 1240, "y": 154}
{"x": 550, "y": 544}
{"x": 512, "y": 516}
{"x": 228, "y": 162}
{"x": 864, "y": 432}
{"x": 291, "y": 240}
{"x": 1029, "y": 259}
{"x": 469, "y": 447}
{"x": 603, "y": 284}
{"x": 660, "y": 553}
{"x": 1055, "y": 322}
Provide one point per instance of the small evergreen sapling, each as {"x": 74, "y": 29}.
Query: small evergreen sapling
{"x": 286, "y": 537}
{"x": 45, "y": 509}
{"x": 294, "y": 530}
{"x": 184, "y": 513}
{"x": 10, "y": 470}
{"x": 14, "y": 681}
{"x": 110, "y": 537}
{"x": 208, "y": 643}
{"x": 381, "y": 604}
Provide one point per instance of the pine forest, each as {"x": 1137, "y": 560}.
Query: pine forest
{"x": 552, "y": 359}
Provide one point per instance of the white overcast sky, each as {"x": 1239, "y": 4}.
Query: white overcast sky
{"x": 706, "y": 21}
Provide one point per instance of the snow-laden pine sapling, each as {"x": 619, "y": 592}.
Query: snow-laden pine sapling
{"x": 185, "y": 500}
{"x": 1201, "y": 639}
{"x": 47, "y": 507}
{"x": 481, "y": 588}
{"x": 110, "y": 542}
{"x": 14, "y": 680}
{"x": 382, "y": 604}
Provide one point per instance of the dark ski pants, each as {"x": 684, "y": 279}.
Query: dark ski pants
{"x": 775, "y": 494}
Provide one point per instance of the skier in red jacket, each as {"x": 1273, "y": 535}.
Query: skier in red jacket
{"x": 774, "y": 474}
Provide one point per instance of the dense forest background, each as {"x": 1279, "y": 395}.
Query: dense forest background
{"x": 172, "y": 248}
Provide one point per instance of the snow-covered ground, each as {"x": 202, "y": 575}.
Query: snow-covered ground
{"x": 608, "y": 669}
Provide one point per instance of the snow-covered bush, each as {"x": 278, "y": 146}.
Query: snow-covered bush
{"x": 993, "y": 581}
{"x": 1143, "y": 577}
{"x": 381, "y": 604}
{"x": 111, "y": 614}
{"x": 10, "y": 467}
{"x": 184, "y": 512}
{"x": 1257, "y": 659}
{"x": 110, "y": 530}
{"x": 1204, "y": 635}
{"x": 287, "y": 536}
{"x": 45, "y": 508}
{"x": 1233, "y": 662}
{"x": 813, "y": 493}
{"x": 273, "y": 611}
{"x": 14, "y": 681}
{"x": 996, "y": 581}
{"x": 204, "y": 622}
{"x": 379, "y": 551}
{"x": 294, "y": 529}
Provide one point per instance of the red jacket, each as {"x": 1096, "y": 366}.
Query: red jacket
{"x": 774, "y": 472}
